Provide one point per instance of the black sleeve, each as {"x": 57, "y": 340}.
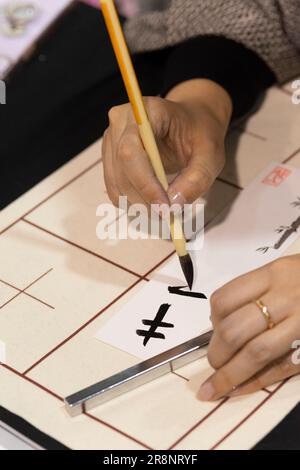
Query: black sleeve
{"x": 236, "y": 68}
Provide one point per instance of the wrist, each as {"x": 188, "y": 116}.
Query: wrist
{"x": 198, "y": 93}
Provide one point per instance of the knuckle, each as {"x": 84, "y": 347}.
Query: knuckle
{"x": 113, "y": 197}
{"x": 114, "y": 113}
{"x": 148, "y": 189}
{"x": 206, "y": 180}
{"x": 216, "y": 302}
{"x": 156, "y": 109}
{"x": 227, "y": 333}
{"x": 126, "y": 148}
{"x": 212, "y": 359}
{"x": 154, "y": 103}
{"x": 285, "y": 367}
{"x": 214, "y": 319}
{"x": 104, "y": 144}
{"x": 214, "y": 147}
{"x": 111, "y": 189}
{"x": 200, "y": 180}
{"x": 281, "y": 265}
{"x": 285, "y": 272}
{"x": 258, "y": 352}
{"x": 225, "y": 379}
{"x": 221, "y": 160}
{"x": 257, "y": 383}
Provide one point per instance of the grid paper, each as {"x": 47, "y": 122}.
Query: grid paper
{"x": 59, "y": 284}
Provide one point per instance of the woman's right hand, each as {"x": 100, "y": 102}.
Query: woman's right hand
{"x": 190, "y": 128}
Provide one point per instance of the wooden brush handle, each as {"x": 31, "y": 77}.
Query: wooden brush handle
{"x": 137, "y": 102}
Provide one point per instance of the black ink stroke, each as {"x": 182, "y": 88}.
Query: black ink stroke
{"x": 179, "y": 291}
{"x": 287, "y": 232}
{"x": 154, "y": 324}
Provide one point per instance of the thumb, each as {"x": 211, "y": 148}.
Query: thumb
{"x": 191, "y": 183}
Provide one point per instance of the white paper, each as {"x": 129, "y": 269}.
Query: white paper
{"x": 231, "y": 247}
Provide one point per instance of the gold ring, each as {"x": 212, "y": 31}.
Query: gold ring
{"x": 264, "y": 310}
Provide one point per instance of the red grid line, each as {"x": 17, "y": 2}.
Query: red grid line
{"x": 62, "y": 343}
{"x": 236, "y": 427}
{"x": 270, "y": 395}
{"x": 33, "y": 382}
{"x": 234, "y": 185}
{"x": 252, "y": 134}
{"x": 144, "y": 277}
{"x": 50, "y": 392}
{"x": 291, "y": 156}
{"x": 86, "y": 170}
{"x": 10, "y": 300}
{"x": 176, "y": 373}
{"x": 141, "y": 278}
{"x": 181, "y": 376}
{"x": 20, "y": 291}
{"x": 118, "y": 430}
{"x": 158, "y": 264}
{"x": 23, "y": 291}
{"x": 58, "y": 397}
{"x": 86, "y": 250}
{"x": 115, "y": 300}
{"x": 202, "y": 420}
{"x": 103, "y": 258}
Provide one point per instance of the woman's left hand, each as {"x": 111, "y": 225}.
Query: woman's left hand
{"x": 245, "y": 353}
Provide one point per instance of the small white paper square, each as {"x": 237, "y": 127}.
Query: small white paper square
{"x": 188, "y": 315}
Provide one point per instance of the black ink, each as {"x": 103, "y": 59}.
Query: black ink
{"x": 287, "y": 231}
{"x": 154, "y": 324}
{"x": 296, "y": 203}
{"x": 179, "y": 291}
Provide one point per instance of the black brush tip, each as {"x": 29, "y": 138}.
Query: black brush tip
{"x": 188, "y": 269}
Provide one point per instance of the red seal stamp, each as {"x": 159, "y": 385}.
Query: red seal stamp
{"x": 277, "y": 176}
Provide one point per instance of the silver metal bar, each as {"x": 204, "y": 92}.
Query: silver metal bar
{"x": 137, "y": 375}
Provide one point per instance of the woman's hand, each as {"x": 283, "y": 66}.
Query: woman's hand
{"x": 246, "y": 354}
{"x": 190, "y": 127}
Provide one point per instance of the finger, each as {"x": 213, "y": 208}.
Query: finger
{"x": 191, "y": 183}
{"x": 256, "y": 355}
{"x": 120, "y": 185}
{"x": 134, "y": 161}
{"x": 125, "y": 188}
{"x": 239, "y": 292}
{"x": 108, "y": 169}
{"x": 160, "y": 113}
{"x": 237, "y": 329}
{"x": 280, "y": 370}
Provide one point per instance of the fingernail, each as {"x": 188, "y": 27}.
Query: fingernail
{"x": 236, "y": 391}
{"x": 207, "y": 391}
{"x": 176, "y": 199}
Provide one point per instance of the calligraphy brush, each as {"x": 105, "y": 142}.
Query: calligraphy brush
{"x": 135, "y": 96}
